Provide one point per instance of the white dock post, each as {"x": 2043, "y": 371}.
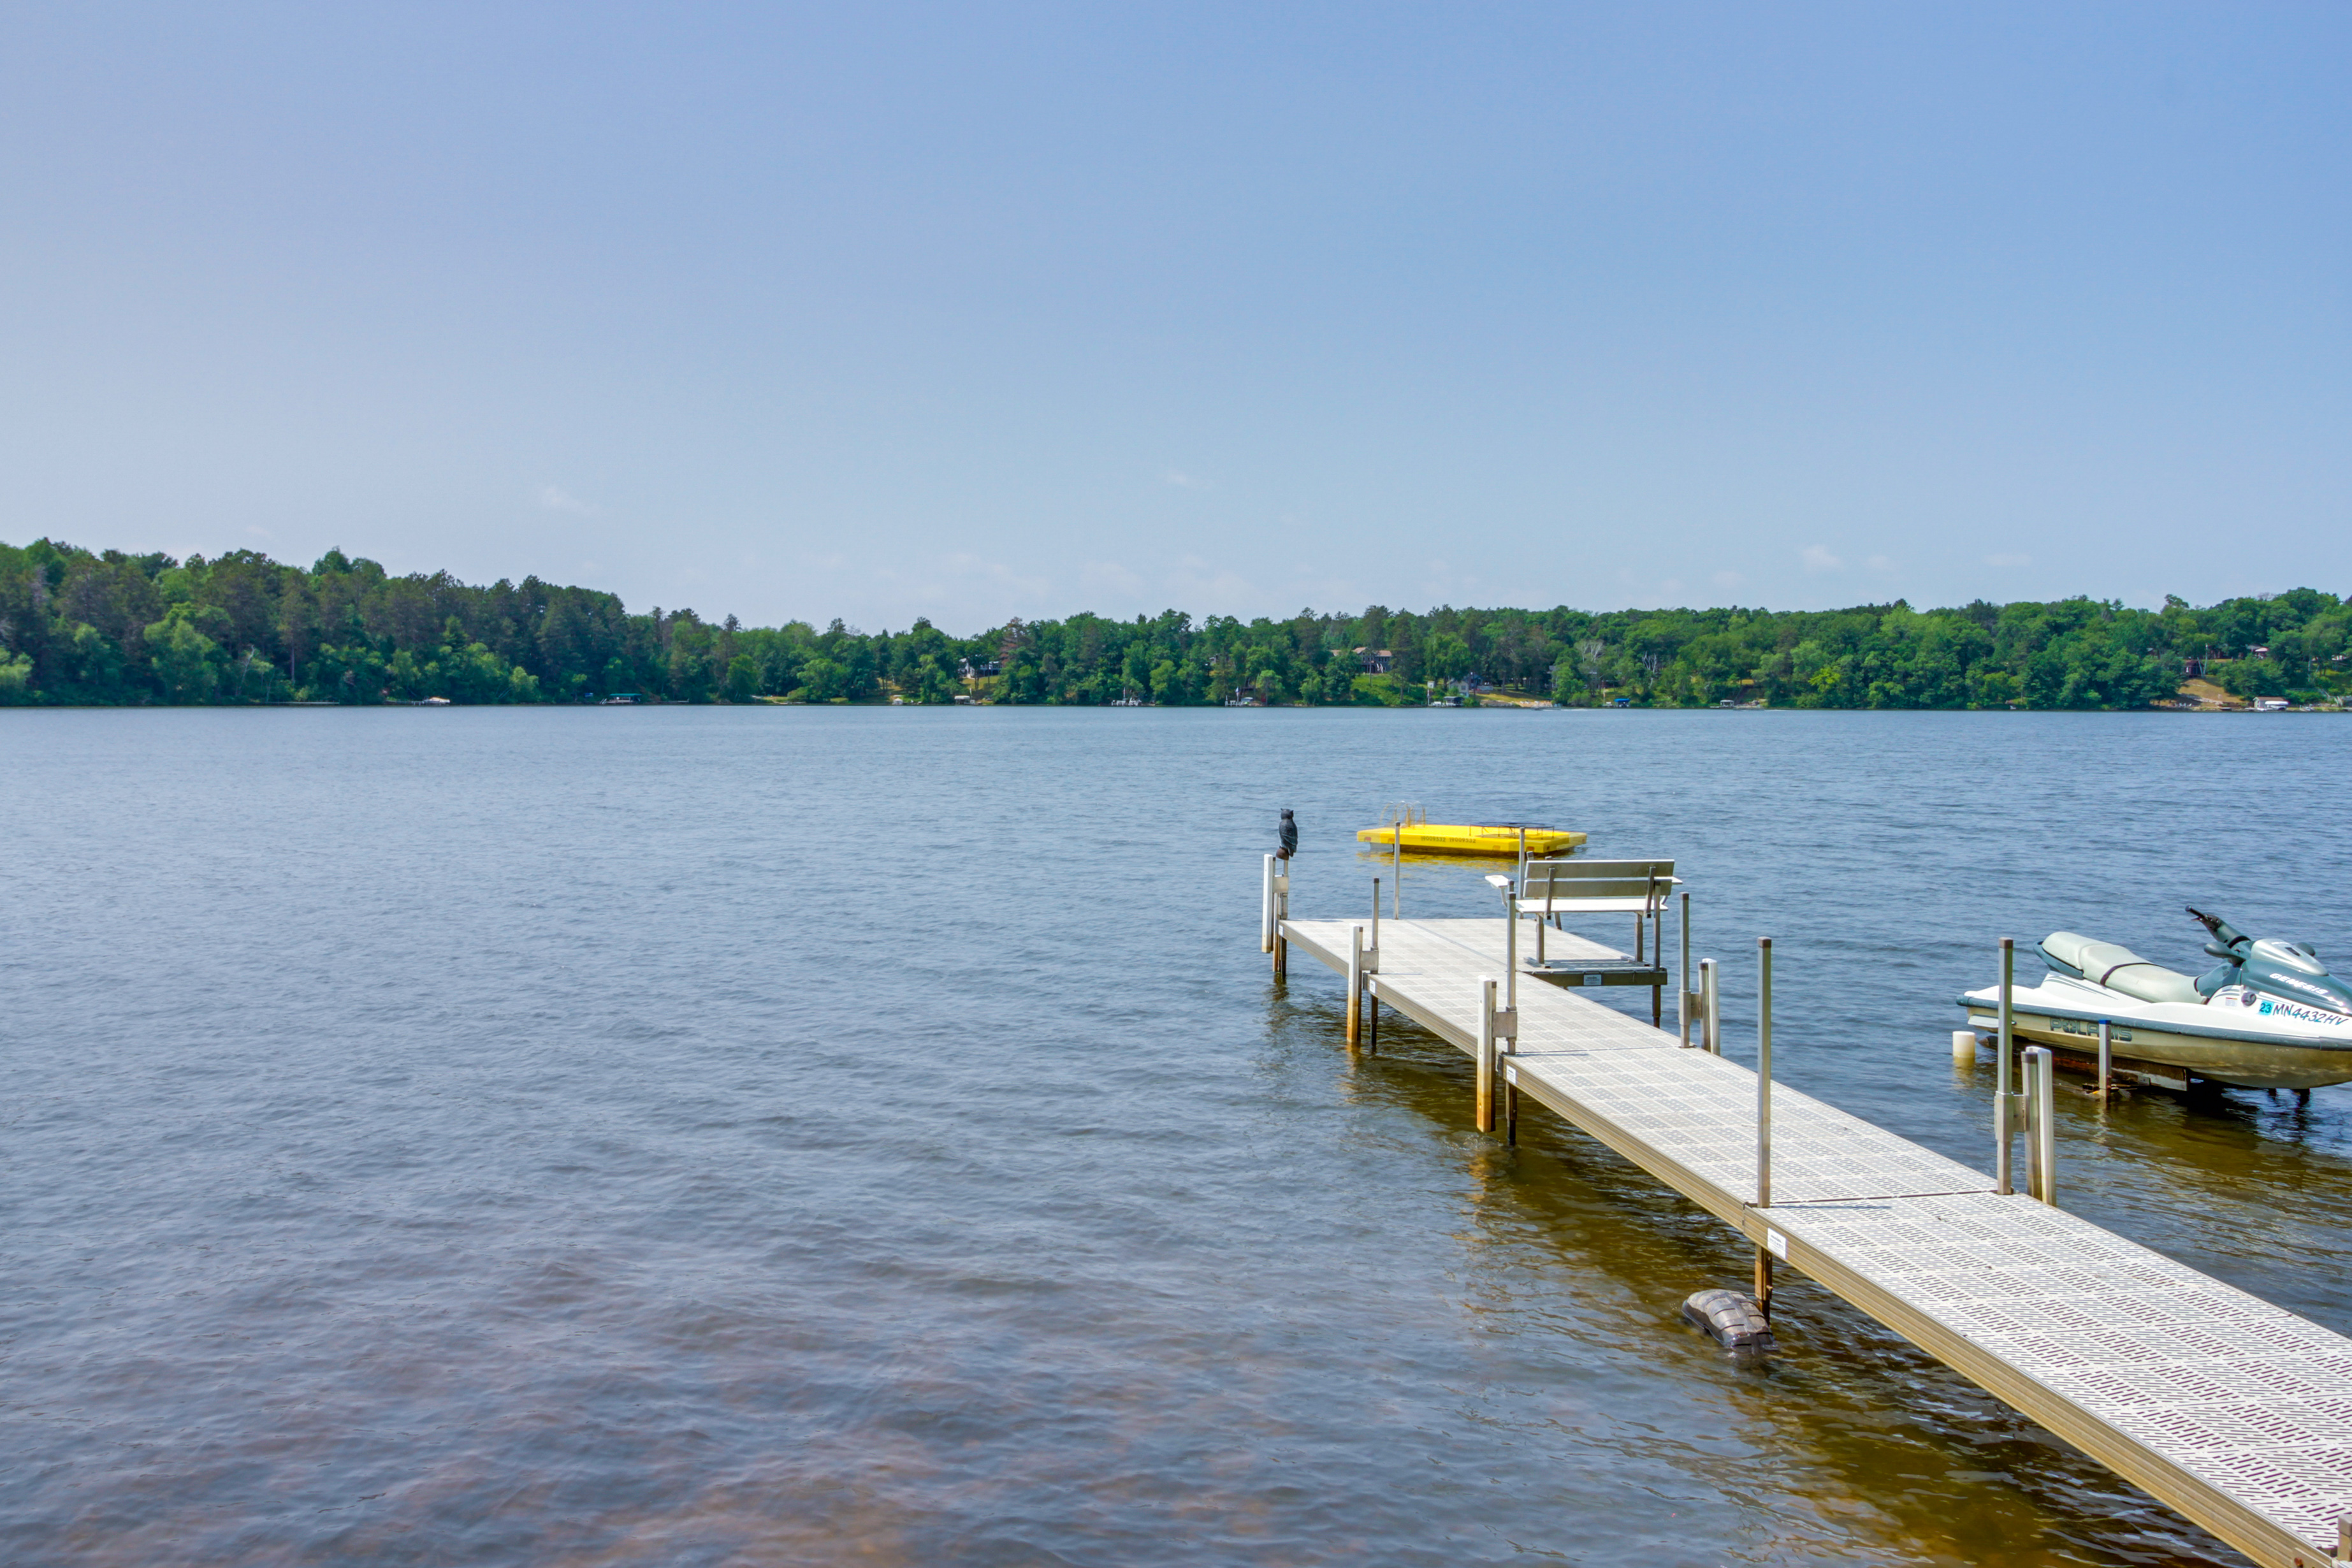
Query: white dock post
{"x": 1710, "y": 985}
{"x": 1764, "y": 1111}
{"x": 1266, "y": 911}
{"x": 2041, "y": 1125}
{"x": 1964, "y": 1046}
{"x": 1370, "y": 964}
{"x": 1682, "y": 980}
{"x": 1355, "y": 982}
{"x": 2001, "y": 1091}
{"x": 1510, "y": 954}
{"x": 1396, "y": 894}
{"x": 1485, "y": 1058}
{"x": 1507, "y": 1028}
{"x": 1281, "y": 913}
{"x": 2107, "y": 1056}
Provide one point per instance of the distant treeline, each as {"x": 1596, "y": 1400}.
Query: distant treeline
{"x": 110, "y": 628}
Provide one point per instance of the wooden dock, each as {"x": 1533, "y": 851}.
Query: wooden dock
{"x": 2233, "y": 1411}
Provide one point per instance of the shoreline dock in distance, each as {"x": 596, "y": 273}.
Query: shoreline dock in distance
{"x": 2231, "y": 1410}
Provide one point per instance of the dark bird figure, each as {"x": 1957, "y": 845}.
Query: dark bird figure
{"x": 1289, "y": 836}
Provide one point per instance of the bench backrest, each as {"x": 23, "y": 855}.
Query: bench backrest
{"x": 1563, "y": 879}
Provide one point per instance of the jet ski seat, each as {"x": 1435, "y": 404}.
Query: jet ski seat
{"x": 2117, "y": 968}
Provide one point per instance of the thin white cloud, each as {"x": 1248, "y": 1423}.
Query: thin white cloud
{"x": 553, "y": 498}
{"x": 2009, "y": 559}
{"x": 1818, "y": 559}
{"x": 1106, "y": 578}
{"x": 1030, "y": 589}
{"x": 1183, "y": 482}
{"x": 1726, "y": 579}
{"x": 1880, "y": 563}
{"x": 258, "y": 532}
{"x": 1218, "y": 591}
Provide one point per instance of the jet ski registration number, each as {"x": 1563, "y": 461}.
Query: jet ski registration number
{"x": 2271, "y": 1006}
{"x": 2089, "y": 1031}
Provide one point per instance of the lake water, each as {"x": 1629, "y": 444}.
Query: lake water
{"x": 699, "y": 1136}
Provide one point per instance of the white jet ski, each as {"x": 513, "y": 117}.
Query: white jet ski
{"x": 2270, "y": 1017}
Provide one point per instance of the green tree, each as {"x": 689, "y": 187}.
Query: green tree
{"x": 1444, "y": 657}
{"x": 823, "y": 680}
{"x": 931, "y": 681}
{"x": 187, "y": 663}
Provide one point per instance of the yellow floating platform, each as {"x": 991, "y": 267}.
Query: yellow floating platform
{"x": 1473, "y": 838}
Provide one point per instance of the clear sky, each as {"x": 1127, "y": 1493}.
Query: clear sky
{"x": 970, "y": 311}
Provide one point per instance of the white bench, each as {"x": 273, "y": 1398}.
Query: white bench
{"x": 1549, "y": 889}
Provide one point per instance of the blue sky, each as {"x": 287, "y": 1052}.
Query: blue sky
{"x": 879, "y": 311}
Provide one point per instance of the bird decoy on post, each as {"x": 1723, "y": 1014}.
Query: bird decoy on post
{"x": 1289, "y": 836}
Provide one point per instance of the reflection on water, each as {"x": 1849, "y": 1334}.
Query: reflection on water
{"x": 709, "y": 1136}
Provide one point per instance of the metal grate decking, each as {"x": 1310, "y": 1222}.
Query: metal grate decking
{"x": 2235, "y": 1412}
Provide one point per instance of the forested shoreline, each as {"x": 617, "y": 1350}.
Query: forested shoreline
{"x": 79, "y": 626}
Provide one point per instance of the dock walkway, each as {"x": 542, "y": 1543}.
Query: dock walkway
{"x": 2234, "y": 1410}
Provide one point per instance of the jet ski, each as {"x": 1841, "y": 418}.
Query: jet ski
{"x": 2269, "y": 1016}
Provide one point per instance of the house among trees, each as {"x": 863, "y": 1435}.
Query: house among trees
{"x": 1376, "y": 661}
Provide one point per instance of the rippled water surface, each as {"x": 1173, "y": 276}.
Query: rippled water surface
{"x": 727, "y": 1136}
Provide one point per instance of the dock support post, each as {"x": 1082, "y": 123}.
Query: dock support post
{"x": 1355, "y": 982}
{"x": 1266, "y": 911}
{"x": 2002, "y": 1098}
{"x": 1764, "y": 1073}
{"x": 1281, "y": 913}
{"x": 1710, "y": 986}
{"x": 1683, "y": 977}
{"x": 1764, "y": 1111}
{"x": 1510, "y": 956}
{"x": 1508, "y": 1025}
{"x": 1485, "y": 1058}
{"x": 2107, "y": 1056}
{"x": 2040, "y": 1126}
{"x": 1396, "y": 894}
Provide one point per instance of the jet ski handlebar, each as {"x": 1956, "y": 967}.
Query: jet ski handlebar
{"x": 2227, "y": 935}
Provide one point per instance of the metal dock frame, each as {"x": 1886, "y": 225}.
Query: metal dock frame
{"x": 2230, "y": 1409}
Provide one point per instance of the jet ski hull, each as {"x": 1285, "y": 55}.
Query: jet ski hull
{"x": 2257, "y": 1043}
